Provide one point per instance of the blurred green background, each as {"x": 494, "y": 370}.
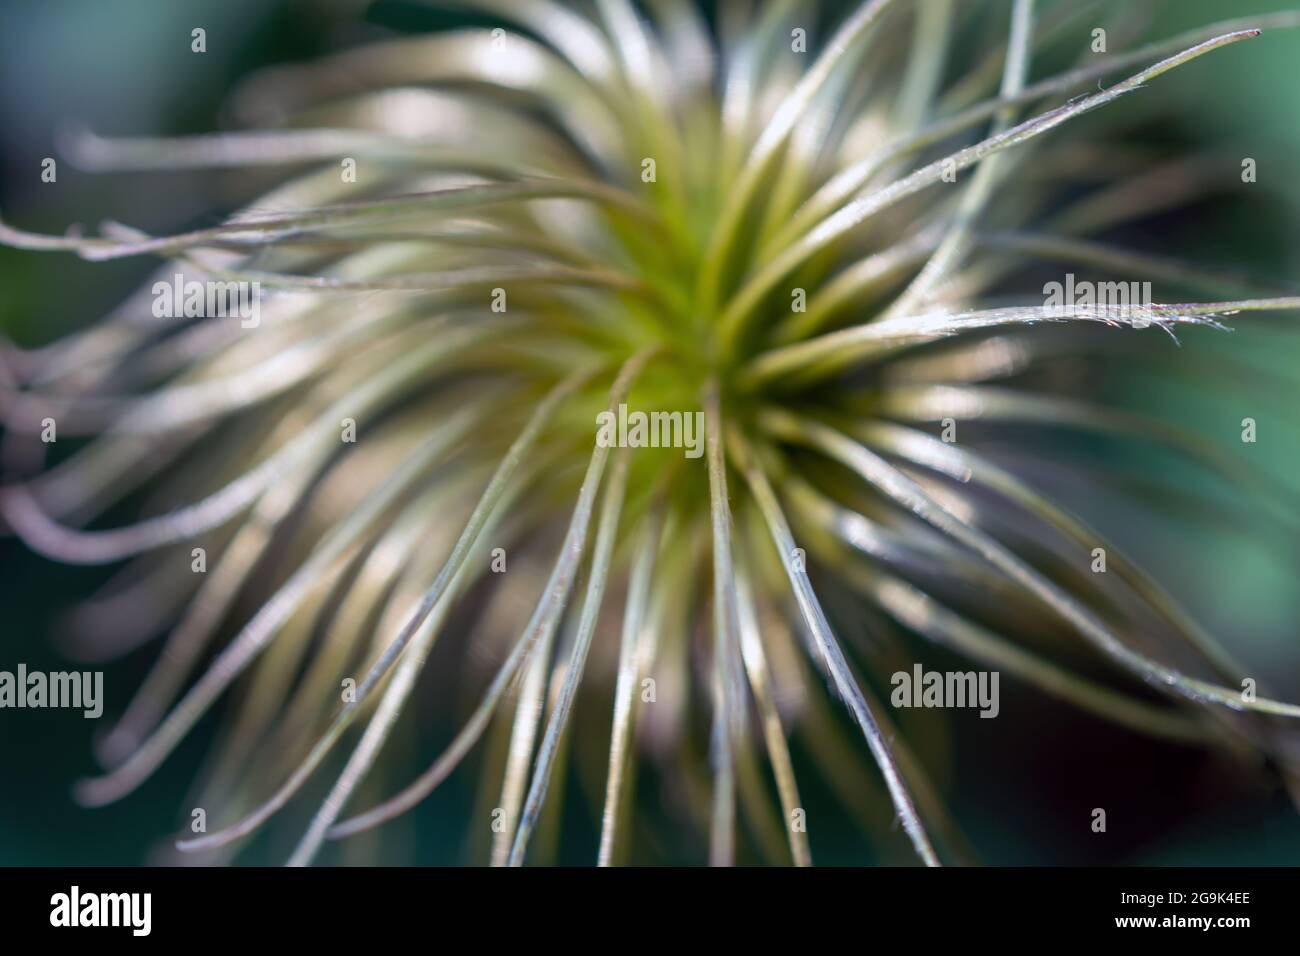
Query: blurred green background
{"x": 1020, "y": 786}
